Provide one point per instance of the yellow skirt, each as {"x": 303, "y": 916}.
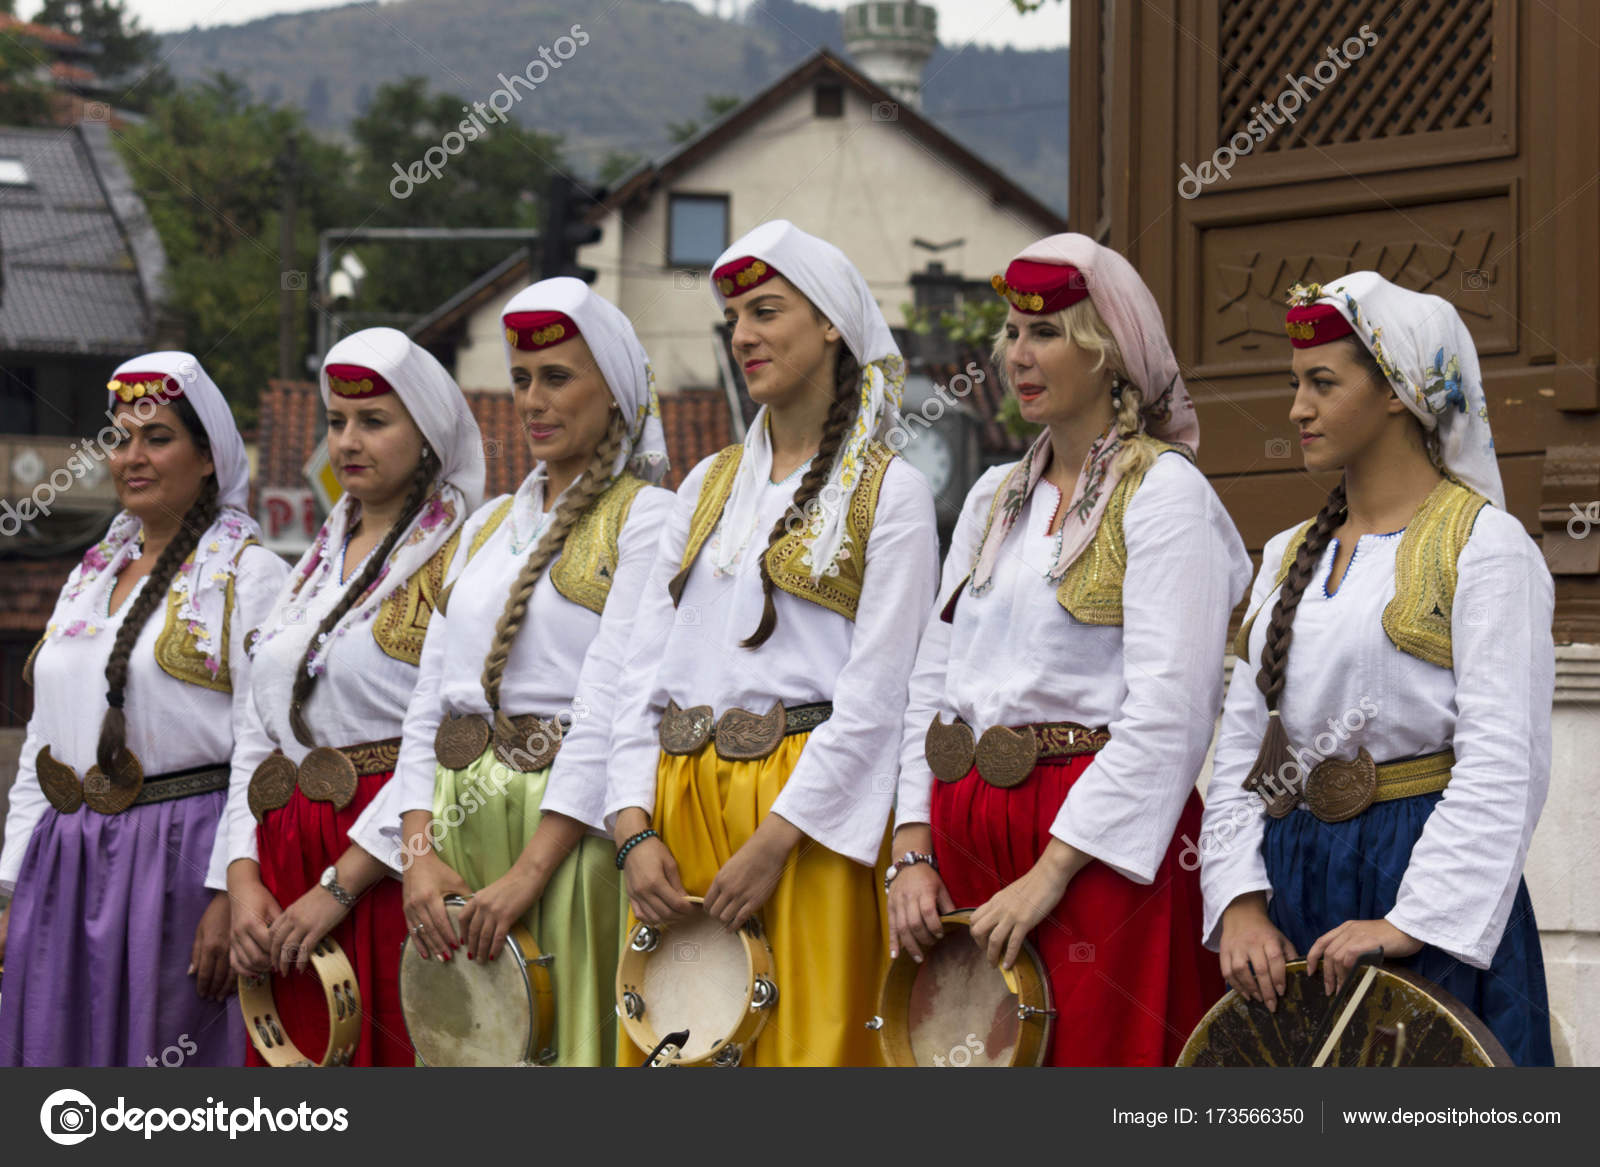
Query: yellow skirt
{"x": 825, "y": 920}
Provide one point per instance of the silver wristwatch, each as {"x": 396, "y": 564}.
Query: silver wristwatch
{"x": 330, "y": 883}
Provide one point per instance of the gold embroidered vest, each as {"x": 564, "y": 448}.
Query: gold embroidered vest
{"x": 1417, "y": 620}
{"x": 401, "y": 623}
{"x": 175, "y": 650}
{"x": 584, "y": 571}
{"x": 838, "y": 593}
{"x": 1092, "y": 588}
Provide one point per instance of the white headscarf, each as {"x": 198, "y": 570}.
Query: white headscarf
{"x": 202, "y": 584}
{"x": 622, "y": 362}
{"x": 1426, "y": 352}
{"x": 434, "y": 401}
{"x": 823, "y": 274}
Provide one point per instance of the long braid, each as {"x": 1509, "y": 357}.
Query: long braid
{"x": 1274, "y": 754}
{"x": 589, "y": 486}
{"x": 196, "y": 522}
{"x": 846, "y": 385}
{"x": 422, "y": 481}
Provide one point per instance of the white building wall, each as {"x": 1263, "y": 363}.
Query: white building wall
{"x": 859, "y": 180}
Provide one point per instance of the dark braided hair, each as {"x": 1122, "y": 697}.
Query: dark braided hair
{"x": 1274, "y": 755}
{"x": 422, "y": 482}
{"x": 846, "y": 380}
{"x": 111, "y": 753}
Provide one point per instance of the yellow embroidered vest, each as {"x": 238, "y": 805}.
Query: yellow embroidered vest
{"x": 838, "y": 593}
{"x": 1417, "y": 620}
{"x": 584, "y": 571}
{"x": 1092, "y": 588}
{"x": 401, "y": 622}
{"x": 175, "y": 650}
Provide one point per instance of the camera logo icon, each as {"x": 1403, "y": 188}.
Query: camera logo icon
{"x": 885, "y": 111}
{"x": 685, "y": 952}
{"x": 68, "y": 1117}
{"x": 491, "y": 447}
{"x": 686, "y": 279}
{"x": 1474, "y": 280}
{"x": 292, "y": 281}
{"x": 1277, "y": 448}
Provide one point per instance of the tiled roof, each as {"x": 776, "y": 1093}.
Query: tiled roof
{"x": 80, "y": 264}
{"x": 695, "y": 422}
{"x": 15, "y": 27}
{"x": 28, "y": 591}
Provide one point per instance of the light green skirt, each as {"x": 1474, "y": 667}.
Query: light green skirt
{"x": 488, "y": 813}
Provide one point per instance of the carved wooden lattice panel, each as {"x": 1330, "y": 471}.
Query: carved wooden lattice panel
{"x": 1430, "y": 70}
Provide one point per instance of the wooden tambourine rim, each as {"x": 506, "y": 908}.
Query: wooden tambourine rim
{"x": 536, "y": 982}
{"x": 258, "y": 1004}
{"x": 758, "y": 963}
{"x": 1489, "y": 1047}
{"x": 1025, "y": 980}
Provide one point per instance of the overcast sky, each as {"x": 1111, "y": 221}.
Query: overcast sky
{"x": 985, "y": 22}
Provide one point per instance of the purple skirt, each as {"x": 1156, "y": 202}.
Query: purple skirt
{"x": 102, "y": 926}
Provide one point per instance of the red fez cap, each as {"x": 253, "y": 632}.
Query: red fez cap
{"x": 532, "y": 331}
{"x": 131, "y": 386}
{"x": 356, "y": 381}
{"x": 1312, "y": 324}
{"x": 738, "y": 276}
{"x": 1040, "y": 289}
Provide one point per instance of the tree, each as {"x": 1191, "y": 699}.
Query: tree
{"x": 127, "y": 52}
{"x": 716, "y": 104}
{"x": 23, "y": 101}
{"x": 616, "y": 163}
{"x": 425, "y": 162}
{"x": 207, "y": 164}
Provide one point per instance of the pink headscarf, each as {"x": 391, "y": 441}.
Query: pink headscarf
{"x": 1130, "y": 312}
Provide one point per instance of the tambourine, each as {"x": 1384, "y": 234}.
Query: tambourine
{"x": 1382, "y": 1016}
{"x": 333, "y": 969}
{"x": 463, "y": 1013}
{"x": 696, "y": 976}
{"x": 957, "y": 1009}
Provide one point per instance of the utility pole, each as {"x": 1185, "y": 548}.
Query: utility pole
{"x": 286, "y": 270}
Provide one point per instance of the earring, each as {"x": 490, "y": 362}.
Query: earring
{"x": 1116, "y": 391}
{"x": 427, "y": 451}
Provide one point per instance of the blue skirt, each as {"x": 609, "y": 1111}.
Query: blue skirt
{"x": 1326, "y": 873}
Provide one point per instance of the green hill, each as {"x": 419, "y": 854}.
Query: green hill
{"x": 646, "y": 63}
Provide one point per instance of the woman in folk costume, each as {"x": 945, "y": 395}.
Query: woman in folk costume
{"x": 1067, "y": 684}
{"x": 334, "y": 666}
{"x": 1377, "y": 786}
{"x": 502, "y": 771}
{"x": 778, "y": 605}
{"x": 117, "y": 801}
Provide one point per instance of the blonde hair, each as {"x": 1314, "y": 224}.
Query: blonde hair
{"x": 1082, "y": 325}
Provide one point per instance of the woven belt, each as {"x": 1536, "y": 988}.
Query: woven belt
{"x": 1339, "y": 790}
{"x": 739, "y": 735}
{"x": 1005, "y": 756}
{"x": 533, "y": 744}
{"x": 324, "y": 775}
{"x": 61, "y": 787}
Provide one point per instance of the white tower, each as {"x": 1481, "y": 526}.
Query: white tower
{"x": 892, "y": 42}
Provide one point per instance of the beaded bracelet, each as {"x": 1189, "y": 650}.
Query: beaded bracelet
{"x": 622, "y": 852}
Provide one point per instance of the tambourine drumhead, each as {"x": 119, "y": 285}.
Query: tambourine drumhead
{"x": 1438, "y": 1029}
{"x": 463, "y": 1013}
{"x": 700, "y": 977}
{"x": 957, "y": 1009}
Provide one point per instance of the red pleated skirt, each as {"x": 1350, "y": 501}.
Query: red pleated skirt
{"x": 297, "y": 843}
{"x": 1125, "y": 964}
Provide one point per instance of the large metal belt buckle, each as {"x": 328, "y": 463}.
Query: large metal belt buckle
{"x": 684, "y": 731}
{"x": 328, "y": 775}
{"x": 1337, "y": 790}
{"x": 949, "y": 749}
{"x": 113, "y": 795}
{"x": 272, "y": 784}
{"x": 1006, "y": 756}
{"x": 532, "y": 746}
{"x": 460, "y": 741}
{"x": 743, "y": 736}
{"x": 59, "y": 782}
